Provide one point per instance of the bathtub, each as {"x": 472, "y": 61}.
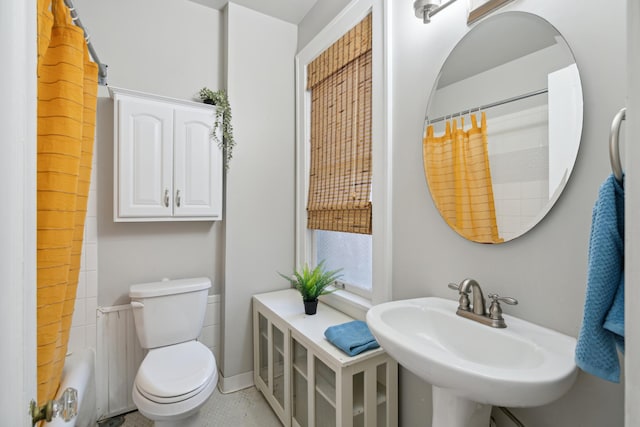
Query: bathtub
{"x": 79, "y": 373}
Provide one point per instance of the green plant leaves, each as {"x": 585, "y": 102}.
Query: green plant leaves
{"x": 223, "y": 115}
{"x": 313, "y": 283}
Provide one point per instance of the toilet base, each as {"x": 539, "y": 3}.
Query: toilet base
{"x": 192, "y": 420}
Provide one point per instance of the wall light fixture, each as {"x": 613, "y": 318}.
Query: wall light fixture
{"x": 425, "y": 9}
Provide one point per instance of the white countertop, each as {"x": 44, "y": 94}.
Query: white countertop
{"x": 287, "y": 305}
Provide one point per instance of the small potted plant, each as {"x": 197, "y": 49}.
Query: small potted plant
{"x": 223, "y": 115}
{"x": 313, "y": 283}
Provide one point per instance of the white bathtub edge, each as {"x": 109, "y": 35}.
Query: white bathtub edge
{"x": 79, "y": 373}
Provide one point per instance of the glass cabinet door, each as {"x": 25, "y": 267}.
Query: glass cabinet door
{"x": 381, "y": 395}
{"x": 325, "y": 395}
{"x": 300, "y": 411}
{"x": 272, "y": 374}
{"x": 263, "y": 345}
{"x": 278, "y": 364}
{"x": 381, "y": 401}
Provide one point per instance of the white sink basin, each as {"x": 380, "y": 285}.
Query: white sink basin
{"x": 521, "y": 365}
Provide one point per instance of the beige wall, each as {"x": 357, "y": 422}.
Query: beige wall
{"x": 632, "y": 191}
{"x": 165, "y": 47}
{"x": 317, "y": 18}
{"x": 259, "y": 223}
{"x": 174, "y": 47}
{"x": 544, "y": 269}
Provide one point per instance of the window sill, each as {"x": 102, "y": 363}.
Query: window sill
{"x": 348, "y": 303}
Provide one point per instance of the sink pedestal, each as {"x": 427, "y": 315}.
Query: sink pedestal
{"x": 453, "y": 411}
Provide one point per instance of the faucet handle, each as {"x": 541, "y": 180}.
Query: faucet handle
{"x": 458, "y": 287}
{"x": 454, "y": 286}
{"x": 495, "y": 311}
{"x": 507, "y": 300}
{"x": 463, "y": 301}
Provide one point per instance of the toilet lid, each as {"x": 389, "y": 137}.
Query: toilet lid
{"x": 176, "y": 372}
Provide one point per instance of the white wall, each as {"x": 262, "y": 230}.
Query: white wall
{"x": 522, "y": 75}
{"x": 632, "y": 222}
{"x": 173, "y": 48}
{"x": 83, "y": 324}
{"x": 546, "y": 268}
{"x": 519, "y": 160}
{"x": 18, "y": 218}
{"x": 259, "y": 223}
{"x": 166, "y": 47}
{"x": 317, "y": 18}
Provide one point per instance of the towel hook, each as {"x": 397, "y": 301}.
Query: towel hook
{"x": 614, "y": 146}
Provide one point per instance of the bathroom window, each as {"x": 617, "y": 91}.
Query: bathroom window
{"x": 343, "y": 208}
{"x": 352, "y": 253}
{"x": 339, "y": 197}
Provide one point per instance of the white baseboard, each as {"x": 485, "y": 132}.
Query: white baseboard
{"x": 235, "y": 383}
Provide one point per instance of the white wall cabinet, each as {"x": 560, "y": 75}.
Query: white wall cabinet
{"x": 166, "y": 165}
{"x": 310, "y": 383}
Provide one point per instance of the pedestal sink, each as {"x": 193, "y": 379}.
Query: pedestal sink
{"x": 474, "y": 366}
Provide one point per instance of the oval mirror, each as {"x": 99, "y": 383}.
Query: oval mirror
{"x": 503, "y": 127}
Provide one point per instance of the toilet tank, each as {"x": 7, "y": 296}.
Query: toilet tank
{"x": 170, "y": 311}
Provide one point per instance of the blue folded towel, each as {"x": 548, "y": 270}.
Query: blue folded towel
{"x": 351, "y": 337}
{"x": 602, "y": 328}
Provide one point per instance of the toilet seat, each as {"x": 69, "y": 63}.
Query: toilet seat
{"x": 177, "y": 412}
{"x": 175, "y": 373}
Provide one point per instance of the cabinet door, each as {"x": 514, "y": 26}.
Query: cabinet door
{"x": 145, "y": 158}
{"x": 324, "y": 380}
{"x": 261, "y": 357}
{"x": 279, "y": 374}
{"x": 299, "y": 385}
{"x": 271, "y": 366}
{"x": 197, "y": 165}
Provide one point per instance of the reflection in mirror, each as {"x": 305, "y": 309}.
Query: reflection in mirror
{"x": 503, "y": 127}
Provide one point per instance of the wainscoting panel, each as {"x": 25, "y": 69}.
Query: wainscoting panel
{"x": 118, "y": 357}
{"x": 210, "y": 335}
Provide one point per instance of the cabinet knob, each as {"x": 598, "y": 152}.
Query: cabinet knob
{"x": 178, "y": 198}
{"x": 166, "y": 198}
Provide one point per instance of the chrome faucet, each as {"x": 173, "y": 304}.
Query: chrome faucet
{"x": 470, "y": 285}
{"x": 478, "y": 311}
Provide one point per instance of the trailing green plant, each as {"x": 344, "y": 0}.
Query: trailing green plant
{"x": 223, "y": 116}
{"x": 313, "y": 283}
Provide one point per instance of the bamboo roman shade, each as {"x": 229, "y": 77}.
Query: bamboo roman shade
{"x": 340, "y": 170}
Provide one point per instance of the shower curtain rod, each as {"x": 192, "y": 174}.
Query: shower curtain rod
{"x": 486, "y": 106}
{"x": 102, "y": 68}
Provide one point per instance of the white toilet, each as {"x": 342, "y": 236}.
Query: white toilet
{"x": 178, "y": 374}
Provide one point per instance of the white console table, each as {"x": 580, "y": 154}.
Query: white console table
{"x": 311, "y": 383}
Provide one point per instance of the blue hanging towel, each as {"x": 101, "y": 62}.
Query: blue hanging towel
{"x": 602, "y": 331}
{"x": 351, "y": 337}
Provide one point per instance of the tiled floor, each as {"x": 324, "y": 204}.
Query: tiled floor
{"x": 244, "y": 408}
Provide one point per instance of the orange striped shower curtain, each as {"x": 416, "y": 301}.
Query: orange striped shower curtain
{"x": 459, "y": 178}
{"x": 67, "y": 90}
